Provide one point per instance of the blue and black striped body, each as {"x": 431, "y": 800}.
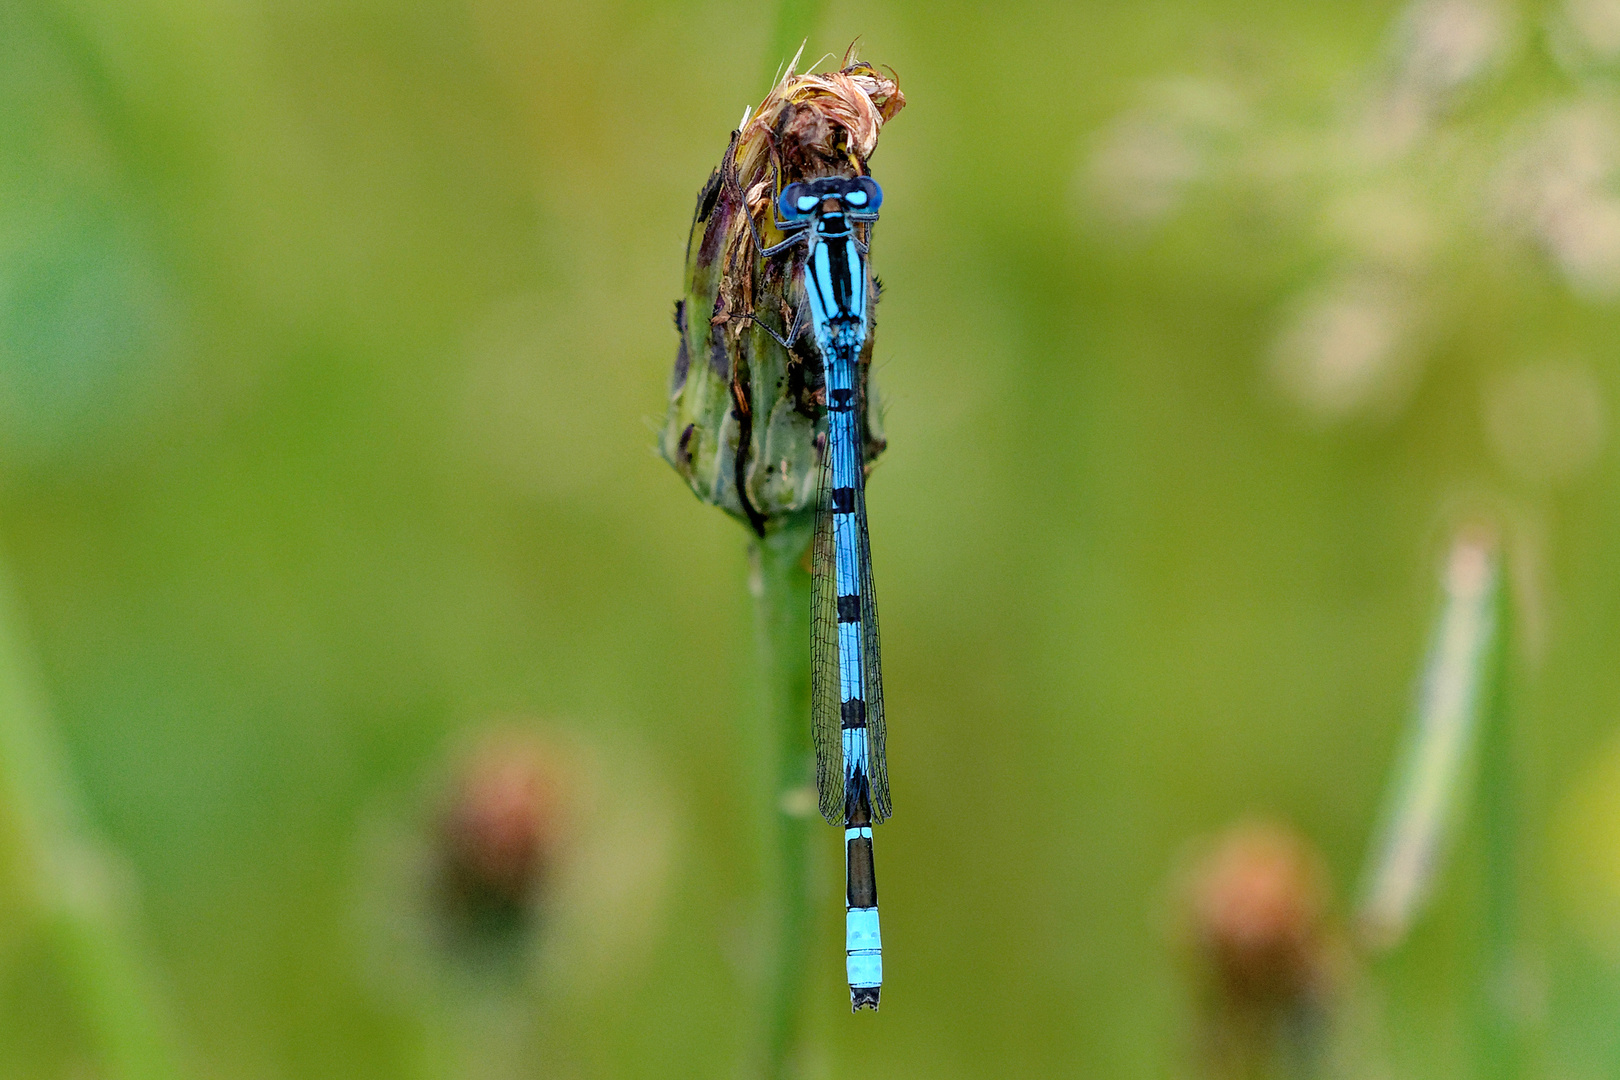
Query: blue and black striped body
{"x": 847, "y": 706}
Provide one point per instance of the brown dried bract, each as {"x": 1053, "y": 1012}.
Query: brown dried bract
{"x": 815, "y": 125}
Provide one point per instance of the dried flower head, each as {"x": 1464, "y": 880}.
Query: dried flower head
{"x": 743, "y": 410}
{"x": 1267, "y": 963}
{"x": 819, "y": 122}
{"x": 1258, "y": 906}
{"x": 498, "y": 836}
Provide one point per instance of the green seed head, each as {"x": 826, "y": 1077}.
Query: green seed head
{"x": 743, "y": 411}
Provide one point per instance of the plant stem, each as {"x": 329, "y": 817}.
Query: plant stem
{"x": 64, "y": 882}
{"x": 781, "y": 588}
{"x": 1497, "y": 1039}
{"x": 795, "y": 19}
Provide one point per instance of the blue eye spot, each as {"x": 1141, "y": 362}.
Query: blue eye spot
{"x": 855, "y": 198}
{"x": 871, "y": 196}
{"x": 806, "y": 203}
{"x": 790, "y": 202}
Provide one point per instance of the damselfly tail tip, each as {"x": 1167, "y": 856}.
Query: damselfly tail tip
{"x": 864, "y": 997}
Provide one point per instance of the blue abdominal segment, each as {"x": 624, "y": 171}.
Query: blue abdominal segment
{"x": 863, "y": 942}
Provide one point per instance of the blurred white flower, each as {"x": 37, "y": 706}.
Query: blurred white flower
{"x": 1596, "y": 25}
{"x": 1142, "y": 164}
{"x": 1440, "y": 48}
{"x": 1546, "y": 422}
{"x": 1346, "y": 348}
{"x": 1586, "y": 239}
{"x": 1445, "y": 44}
{"x": 1394, "y": 193}
{"x": 1140, "y": 168}
{"x": 1556, "y": 187}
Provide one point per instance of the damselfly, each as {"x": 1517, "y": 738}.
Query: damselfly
{"x": 829, "y": 217}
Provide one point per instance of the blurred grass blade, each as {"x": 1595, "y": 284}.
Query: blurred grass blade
{"x": 67, "y": 889}
{"x": 1502, "y": 1007}
{"x": 1424, "y": 803}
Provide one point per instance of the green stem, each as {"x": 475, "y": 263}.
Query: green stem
{"x": 795, "y": 19}
{"x": 781, "y": 587}
{"x": 1497, "y": 1041}
{"x": 64, "y": 882}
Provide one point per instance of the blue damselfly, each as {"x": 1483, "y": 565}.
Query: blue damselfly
{"x": 832, "y": 219}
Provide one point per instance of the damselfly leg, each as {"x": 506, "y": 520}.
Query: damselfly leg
{"x": 793, "y": 331}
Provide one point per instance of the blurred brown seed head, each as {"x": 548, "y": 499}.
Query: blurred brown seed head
{"x": 1257, "y": 913}
{"x": 500, "y": 832}
{"x": 1266, "y": 961}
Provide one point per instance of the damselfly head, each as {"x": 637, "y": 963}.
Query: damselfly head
{"x": 831, "y": 194}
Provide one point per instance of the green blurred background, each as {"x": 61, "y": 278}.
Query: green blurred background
{"x": 333, "y": 337}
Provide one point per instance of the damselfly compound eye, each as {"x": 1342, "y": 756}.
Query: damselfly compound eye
{"x": 791, "y": 204}
{"x": 867, "y": 191}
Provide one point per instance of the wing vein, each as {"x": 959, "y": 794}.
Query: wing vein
{"x": 826, "y": 716}
{"x": 871, "y": 662}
